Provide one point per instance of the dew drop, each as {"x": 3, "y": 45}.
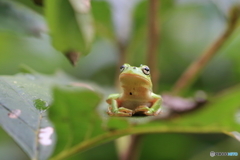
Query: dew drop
{"x": 40, "y": 104}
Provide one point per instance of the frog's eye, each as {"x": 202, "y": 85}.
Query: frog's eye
{"x": 122, "y": 68}
{"x": 146, "y": 70}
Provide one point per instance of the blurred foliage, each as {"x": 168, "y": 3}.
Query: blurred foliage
{"x": 70, "y": 25}
{"x": 186, "y": 28}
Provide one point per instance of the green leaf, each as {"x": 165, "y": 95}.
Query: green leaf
{"x": 101, "y": 12}
{"x": 23, "y": 101}
{"x": 70, "y": 25}
{"x": 79, "y": 127}
{"x": 19, "y": 19}
{"x": 75, "y": 117}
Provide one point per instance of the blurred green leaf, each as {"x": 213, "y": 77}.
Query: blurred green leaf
{"x": 75, "y": 117}
{"x": 219, "y": 115}
{"x": 102, "y": 19}
{"x": 9, "y": 149}
{"x": 35, "y": 52}
{"x": 31, "y": 4}
{"x": 117, "y": 123}
{"x": 19, "y": 19}
{"x": 70, "y": 24}
{"x": 179, "y": 144}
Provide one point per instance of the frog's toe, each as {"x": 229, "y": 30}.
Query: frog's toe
{"x": 152, "y": 112}
{"x": 122, "y": 114}
{"x": 148, "y": 113}
{"x": 141, "y": 109}
{"x": 125, "y": 110}
{"x": 109, "y": 112}
{"x": 157, "y": 113}
{"x": 119, "y": 114}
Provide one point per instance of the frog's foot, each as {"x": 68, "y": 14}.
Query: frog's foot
{"x": 147, "y": 111}
{"x": 120, "y": 112}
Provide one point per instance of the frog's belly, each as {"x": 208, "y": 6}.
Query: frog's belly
{"x": 134, "y": 104}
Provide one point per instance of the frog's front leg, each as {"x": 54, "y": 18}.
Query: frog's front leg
{"x": 150, "y": 111}
{"x": 115, "y": 110}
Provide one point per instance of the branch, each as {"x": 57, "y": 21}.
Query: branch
{"x": 196, "y": 67}
{"x": 122, "y": 59}
{"x": 153, "y": 39}
{"x": 132, "y": 152}
{"x": 106, "y": 137}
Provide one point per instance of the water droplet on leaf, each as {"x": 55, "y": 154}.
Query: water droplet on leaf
{"x": 40, "y": 104}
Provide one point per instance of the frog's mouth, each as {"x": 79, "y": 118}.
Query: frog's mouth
{"x": 133, "y": 79}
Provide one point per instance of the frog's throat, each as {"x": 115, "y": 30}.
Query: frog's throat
{"x": 128, "y": 75}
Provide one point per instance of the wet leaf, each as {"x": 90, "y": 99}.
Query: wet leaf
{"x": 24, "y": 99}
{"x": 70, "y": 25}
{"x": 23, "y": 102}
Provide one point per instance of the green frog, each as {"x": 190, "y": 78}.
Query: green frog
{"x": 137, "y": 97}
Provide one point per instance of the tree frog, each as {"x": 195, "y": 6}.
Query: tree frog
{"x": 137, "y": 97}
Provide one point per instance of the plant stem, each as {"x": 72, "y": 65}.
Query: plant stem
{"x": 153, "y": 39}
{"x": 122, "y": 59}
{"x": 191, "y": 73}
{"x": 132, "y": 152}
{"x": 93, "y": 142}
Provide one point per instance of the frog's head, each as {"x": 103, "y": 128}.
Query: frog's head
{"x": 135, "y": 76}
